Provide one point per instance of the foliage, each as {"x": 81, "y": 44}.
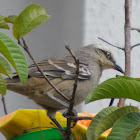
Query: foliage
{"x": 105, "y": 119}
{"x": 31, "y": 17}
{"x": 119, "y": 87}
{"x": 125, "y": 122}
{"x": 28, "y": 19}
{"x": 126, "y": 127}
{"x": 3, "y": 23}
{"x": 14, "y": 54}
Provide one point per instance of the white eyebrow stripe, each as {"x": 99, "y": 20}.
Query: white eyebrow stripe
{"x": 103, "y": 48}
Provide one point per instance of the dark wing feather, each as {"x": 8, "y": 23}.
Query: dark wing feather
{"x": 61, "y": 67}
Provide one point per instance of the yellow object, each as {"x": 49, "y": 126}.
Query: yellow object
{"x": 16, "y": 123}
{"x": 79, "y": 131}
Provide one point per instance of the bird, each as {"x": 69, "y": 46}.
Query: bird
{"x": 61, "y": 71}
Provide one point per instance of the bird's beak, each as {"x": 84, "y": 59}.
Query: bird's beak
{"x": 117, "y": 67}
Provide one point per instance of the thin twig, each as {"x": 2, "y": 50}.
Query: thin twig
{"x": 135, "y": 46}
{"x": 4, "y": 104}
{"x": 111, "y": 102}
{"x": 110, "y": 43}
{"x": 119, "y": 47}
{"x": 76, "y": 118}
{"x": 137, "y": 29}
{"x": 127, "y": 47}
{"x": 112, "y": 99}
{"x": 68, "y": 129}
{"x": 72, "y": 53}
{"x": 40, "y": 70}
{"x": 26, "y": 130}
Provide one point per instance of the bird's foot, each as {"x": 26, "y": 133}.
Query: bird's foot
{"x": 74, "y": 113}
{"x": 66, "y": 115}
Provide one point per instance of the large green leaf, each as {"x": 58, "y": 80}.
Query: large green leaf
{"x": 93, "y": 132}
{"x": 99, "y": 123}
{"x": 5, "y": 67}
{"x": 119, "y": 87}
{"x": 134, "y": 132}
{"x": 138, "y": 136}
{"x": 15, "y": 55}
{"x": 128, "y": 78}
{"x": 29, "y": 18}
{"x": 2, "y": 86}
{"x": 125, "y": 128}
{"x": 89, "y": 96}
{"x": 3, "y": 23}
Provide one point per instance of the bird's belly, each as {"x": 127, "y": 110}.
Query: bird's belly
{"x": 46, "y": 99}
{"x": 42, "y": 93}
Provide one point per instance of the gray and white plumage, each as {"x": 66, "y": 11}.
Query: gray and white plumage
{"x": 61, "y": 71}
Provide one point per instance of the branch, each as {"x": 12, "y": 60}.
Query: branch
{"x": 127, "y": 47}
{"x": 76, "y": 118}
{"x": 40, "y": 70}
{"x": 40, "y": 127}
{"x": 135, "y": 46}
{"x": 4, "y": 104}
{"x": 111, "y": 102}
{"x": 110, "y": 44}
{"x": 137, "y": 29}
{"x": 70, "y": 109}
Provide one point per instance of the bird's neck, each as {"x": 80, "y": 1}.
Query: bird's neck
{"x": 96, "y": 71}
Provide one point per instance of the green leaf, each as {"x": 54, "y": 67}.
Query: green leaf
{"x": 3, "y": 23}
{"x": 15, "y": 55}
{"x": 29, "y": 18}
{"x": 11, "y": 18}
{"x": 119, "y": 87}
{"x": 2, "y": 17}
{"x": 138, "y": 136}
{"x": 89, "y": 96}
{"x": 128, "y": 78}
{"x": 100, "y": 123}
{"x": 125, "y": 127}
{"x": 134, "y": 132}
{"x": 93, "y": 132}
{"x": 5, "y": 67}
{"x": 2, "y": 86}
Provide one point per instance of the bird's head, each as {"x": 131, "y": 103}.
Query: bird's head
{"x": 106, "y": 59}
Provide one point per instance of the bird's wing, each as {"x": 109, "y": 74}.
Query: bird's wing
{"x": 62, "y": 68}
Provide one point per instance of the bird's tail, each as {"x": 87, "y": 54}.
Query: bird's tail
{"x": 13, "y": 80}
{"x": 15, "y": 85}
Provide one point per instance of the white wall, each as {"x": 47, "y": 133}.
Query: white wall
{"x": 103, "y": 19}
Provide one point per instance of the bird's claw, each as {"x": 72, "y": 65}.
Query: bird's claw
{"x": 74, "y": 113}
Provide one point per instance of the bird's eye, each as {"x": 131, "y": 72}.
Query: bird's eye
{"x": 108, "y": 55}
